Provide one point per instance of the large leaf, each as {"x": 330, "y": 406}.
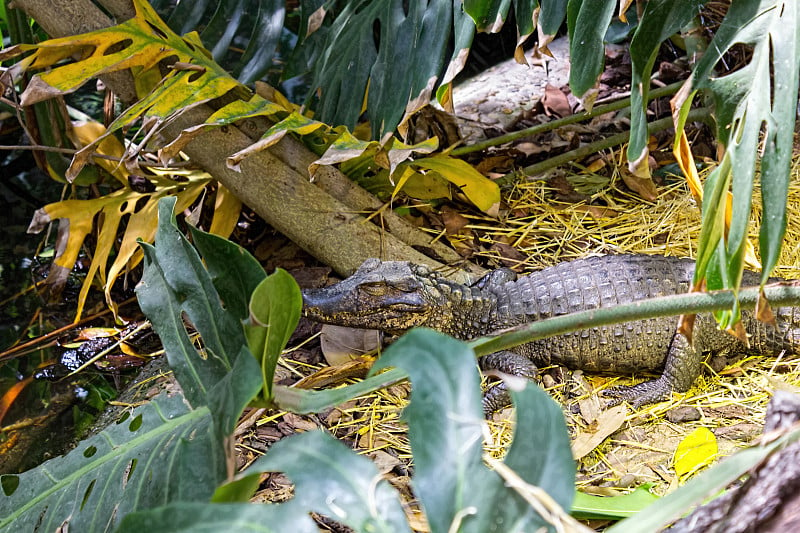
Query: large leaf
{"x": 195, "y": 78}
{"x": 132, "y": 209}
{"x": 206, "y": 518}
{"x": 587, "y": 21}
{"x": 463, "y": 33}
{"x": 661, "y": 19}
{"x": 275, "y": 308}
{"x": 175, "y": 284}
{"x": 138, "y": 44}
{"x": 164, "y": 452}
{"x": 330, "y": 479}
{"x": 755, "y": 106}
{"x": 541, "y": 427}
{"x": 252, "y": 25}
{"x": 398, "y": 54}
{"x": 481, "y": 191}
{"x": 446, "y": 425}
{"x": 234, "y": 272}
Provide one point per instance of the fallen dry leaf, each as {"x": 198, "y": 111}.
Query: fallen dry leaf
{"x": 454, "y": 221}
{"x": 644, "y": 187}
{"x": 384, "y": 461}
{"x": 555, "y": 102}
{"x": 340, "y": 345}
{"x": 609, "y": 422}
{"x": 334, "y": 375}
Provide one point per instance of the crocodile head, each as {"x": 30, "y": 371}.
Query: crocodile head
{"x": 392, "y": 296}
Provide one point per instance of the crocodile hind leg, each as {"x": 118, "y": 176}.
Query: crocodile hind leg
{"x": 680, "y": 371}
{"x": 507, "y": 362}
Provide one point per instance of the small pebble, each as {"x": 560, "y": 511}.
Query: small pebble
{"x": 683, "y": 414}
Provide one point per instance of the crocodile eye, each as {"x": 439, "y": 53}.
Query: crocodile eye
{"x": 403, "y": 286}
{"x": 373, "y": 289}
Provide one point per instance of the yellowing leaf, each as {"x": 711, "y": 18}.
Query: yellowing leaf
{"x": 226, "y": 212}
{"x": 76, "y": 219}
{"x": 138, "y": 44}
{"x": 428, "y": 186}
{"x": 480, "y": 190}
{"x": 696, "y": 450}
{"x": 295, "y": 123}
{"x": 87, "y": 133}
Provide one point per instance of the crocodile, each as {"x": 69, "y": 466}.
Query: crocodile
{"x": 395, "y": 296}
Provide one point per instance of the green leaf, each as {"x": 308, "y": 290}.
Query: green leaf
{"x": 661, "y": 19}
{"x": 312, "y": 401}
{"x": 524, "y": 15}
{"x": 264, "y": 39}
{"x": 174, "y": 283}
{"x": 239, "y": 490}
{"x": 778, "y": 140}
{"x": 445, "y": 428}
{"x": 332, "y": 480}
{"x": 234, "y": 272}
{"x": 463, "y": 34}
{"x": 397, "y": 53}
{"x": 587, "y": 21}
{"x": 445, "y": 421}
{"x": 213, "y": 518}
{"x": 589, "y": 507}
{"x": 755, "y": 104}
{"x": 552, "y": 15}
{"x": 488, "y": 15}
{"x": 541, "y": 427}
{"x": 275, "y": 309}
{"x": 163, "y": 452}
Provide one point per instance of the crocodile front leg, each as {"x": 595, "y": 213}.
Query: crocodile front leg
{"x": 682, "y": 368}
{"x": 507, "y": 362}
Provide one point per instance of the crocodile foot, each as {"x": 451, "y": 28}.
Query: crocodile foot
{"x": 640, "y": 394}
{"x": 497, "y": 397}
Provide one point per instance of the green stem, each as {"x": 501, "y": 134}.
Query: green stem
{"x": 555, "y": 124}
{"x": 313, "y": 401}
{"x": 695, "y": 115}
{"x": 693, "y": 302}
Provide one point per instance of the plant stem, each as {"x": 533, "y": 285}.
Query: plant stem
{"x": 695, "y": 115}
{"x": 572, "y": 119}
{"x": 693, "y": 302}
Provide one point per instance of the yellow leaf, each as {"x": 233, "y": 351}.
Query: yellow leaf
{"x": 428, "y": 186}
{"x": 695, "y": 451}
{"x": 76, "y": 219}
{"x": 478, "y": 189}
{"x": 87, "y": 133}
{"x": 138, "y": 44}
{"x": 226, "y": 212}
